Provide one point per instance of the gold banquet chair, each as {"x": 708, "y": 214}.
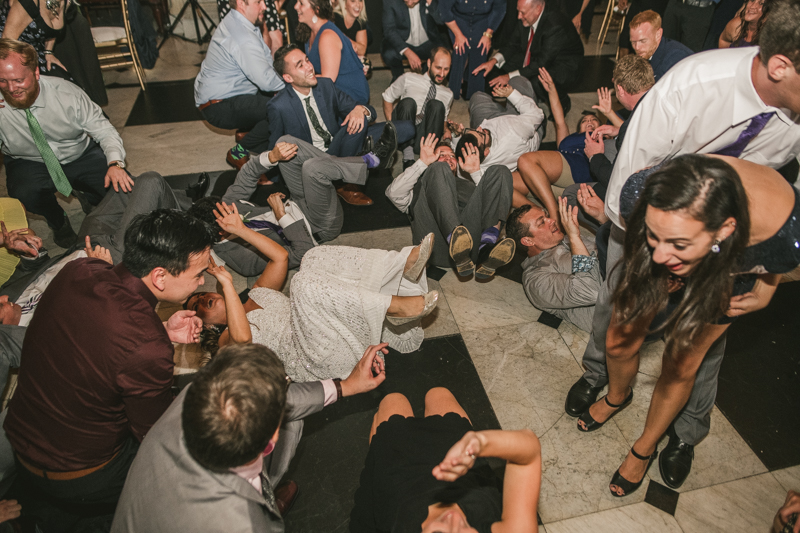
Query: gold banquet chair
{"x": 115, "y": 46}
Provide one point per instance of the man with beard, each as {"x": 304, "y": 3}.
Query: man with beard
{"x": 235, "y": 77}
{"x": 648, "y": 41}
{"x": 54, "y": 138}
{"x": 423, "y": 99}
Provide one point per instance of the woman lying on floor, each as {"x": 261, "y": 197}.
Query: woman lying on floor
{"x": 429, "y": 474}
{"x": 342, "y": 300}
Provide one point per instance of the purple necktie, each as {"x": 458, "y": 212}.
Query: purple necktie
{"x": 262, "y": 224}
{"x": 757, "y": 124}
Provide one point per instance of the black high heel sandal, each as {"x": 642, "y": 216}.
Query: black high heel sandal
{"x": 592, "y": 424}
{"x": 627, "y": 486}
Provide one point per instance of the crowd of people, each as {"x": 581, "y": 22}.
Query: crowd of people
{"x": 667, "y": 221}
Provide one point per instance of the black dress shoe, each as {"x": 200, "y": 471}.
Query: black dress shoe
{"x": 387, "y": 146}
{"x": 285, "y": 495}
{"x": 368, "y": 145}
{"x": 675, "y": 462}
{"x": 198, "y": 190}
{"x": 581, "y": 396}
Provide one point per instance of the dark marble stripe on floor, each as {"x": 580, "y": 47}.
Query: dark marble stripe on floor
{"x": 165, "y": 102}
{"x": 759, "y": 382}
{"x": 331, "y": 454}
{"x": 596, "y": 73}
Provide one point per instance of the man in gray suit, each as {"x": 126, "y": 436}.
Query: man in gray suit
{"x": 204, "y": 465}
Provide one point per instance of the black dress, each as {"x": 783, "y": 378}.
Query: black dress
{"x": 37, "y": 31}
{"x": 397, "y": 484}
{"x": 354, "y": 29}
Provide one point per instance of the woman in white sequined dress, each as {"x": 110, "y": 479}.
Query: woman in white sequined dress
{"x": 342, "y": 300}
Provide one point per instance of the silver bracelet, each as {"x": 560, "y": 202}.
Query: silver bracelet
{"x": 48, "y": 52}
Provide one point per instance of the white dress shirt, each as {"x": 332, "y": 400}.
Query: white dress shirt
{"x": 69, "y": 120}
{"x": 316, "y": 139}
{"x": 502, "y": 60}
{"x": 512, "y": 135}
{"x": 701, "y": 106}
{"x": 416, "y": 34}
{"x": 415, "y": 86}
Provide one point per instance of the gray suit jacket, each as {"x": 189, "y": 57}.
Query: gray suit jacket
{"x": 168, "y": 491}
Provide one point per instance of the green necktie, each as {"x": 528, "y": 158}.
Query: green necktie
{"x": 50, "y": 159}
{"x": 322, "y": 132}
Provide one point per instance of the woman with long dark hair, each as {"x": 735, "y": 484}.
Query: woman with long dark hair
{"x": 743, "y": 29}
{"x": 706, "y": 241}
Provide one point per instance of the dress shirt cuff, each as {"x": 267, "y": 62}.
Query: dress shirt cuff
{"x": 476, "y": 176}
{"x": 329, "y": 389}
{"x": 114, "y": 155}
{"x": 286, "y": 220}
{"x": 264, "y": 159}
{"x": 403, "y": 51}
{"x": 42, "y": 252}
{"x": 583, "y": 263}
{"x": 369, "y": 113}
{"x": 513, "y": 74}
{"x": 500, "y": 60}
{"x": 515, "y": 97}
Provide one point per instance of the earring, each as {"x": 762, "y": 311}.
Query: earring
{"x": 314, "y": 19}
{"x": 715, "y": 246}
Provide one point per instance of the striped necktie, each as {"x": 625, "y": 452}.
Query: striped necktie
{"x": 428, "y": 97}
{"x": 50, "y": 160}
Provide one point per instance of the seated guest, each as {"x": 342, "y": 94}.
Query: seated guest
{"x": 226, "y": 441}
{"x": 410, "y": 32}
{"x": 503, "y": 134}
{"x": 543, "y": 37}
{"x": 423, "y": 99}
{"x": 351, "y": 18}
{"x": 648, "y": 42}
{"x": 453, "y": 208}
{"x": 55, "y": 139}
{"x": 568, "y": 165}
{"x": 329, "y": 50}
{"x": 429, "y": 474}
{"x": 341, "y": 301}
{"x": 743, "y": 29}
{"x": 117, "y": 348}
{"x": 289, "y": 229}
{"x": 327, "y": 118}
{"x": 561, "y": 274}
{"x": 271, "y": 27}
{"x": 235, "y": 77}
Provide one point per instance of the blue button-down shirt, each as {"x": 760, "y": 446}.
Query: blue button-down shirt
{"x": 238, "y": 61}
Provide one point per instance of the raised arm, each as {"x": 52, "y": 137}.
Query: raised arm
{"x": 238, "y": 331}
{"x": 555, "y": 105}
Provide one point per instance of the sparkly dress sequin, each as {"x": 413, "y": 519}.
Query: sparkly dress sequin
{"x": 337, "y": 308}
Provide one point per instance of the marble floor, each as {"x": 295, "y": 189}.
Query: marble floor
{"x": 525, "y": 364}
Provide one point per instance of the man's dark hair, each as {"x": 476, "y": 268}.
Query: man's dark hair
{"x": 234, "y": 406}
{"x": 164, "y": 238}
{"x": 515, "y": 229}
{"x": 437, "y": 49}
{"x": 466, "y": 139}
{"x": 780, "y": 34}
{"x": 203, "y": 210}
{"x": 279, "y": 61}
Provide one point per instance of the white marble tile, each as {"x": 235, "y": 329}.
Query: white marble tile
{"x": 575, "y": 339}
{"x": 743, "y": 506}
{"x": 789, "y": 478}
{"x": 650, "y": 357}
{"x": 480, "y": 305}
{"x": 630, "y": 519}
{"x": 383, "y": 239}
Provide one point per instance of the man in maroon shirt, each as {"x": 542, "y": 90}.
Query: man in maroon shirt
{"x": 97, "y": 365}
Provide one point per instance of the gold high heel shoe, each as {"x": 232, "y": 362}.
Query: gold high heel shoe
{"x": 431, "y": 299}
{"x": 425, "y": 249}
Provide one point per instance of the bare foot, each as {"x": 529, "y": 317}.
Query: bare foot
{"x": 403, "y": 306}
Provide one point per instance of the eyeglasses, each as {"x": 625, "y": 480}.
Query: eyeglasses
{"x": 484, "y": 137}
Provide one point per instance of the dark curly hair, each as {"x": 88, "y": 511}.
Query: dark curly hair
{"x": 323, "y": 9}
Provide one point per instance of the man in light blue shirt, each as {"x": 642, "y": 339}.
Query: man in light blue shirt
{"x": 235, "y": 76}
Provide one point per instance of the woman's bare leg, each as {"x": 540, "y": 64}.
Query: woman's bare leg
{"x": 520, "y": 194}
{"x": 539, "y": 170}
{"x": 673, "y": 388}
{"x": 440, "y": 401}
{"x": 392, "y": 404}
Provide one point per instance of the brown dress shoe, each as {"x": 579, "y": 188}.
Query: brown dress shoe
{"x": 236, "y": 163}
{"x": 285, "y": 495}
{"x": 352, "y": 195}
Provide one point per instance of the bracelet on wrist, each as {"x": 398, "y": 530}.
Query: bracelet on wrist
{"x": 487, "y": 34}
{"x": 48, "y": 52}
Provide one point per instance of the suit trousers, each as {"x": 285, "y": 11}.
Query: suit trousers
{"x": 483, "y": 107}
{"x": 246, "y": 112}
{"x": 107, "y": 223}
{"x": 394, "y": 59}
{"x": 694, "y": 421}
{"x": 31, "y": 183}
{"x": 432, "y": 120}
{"x": 443, "y": 201}
{"x": 687, "y": 24}
{"x": 310, "y": 175}
{"x": 345, "y": 144}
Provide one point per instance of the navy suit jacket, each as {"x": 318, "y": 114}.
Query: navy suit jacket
{"x": 667, "y": 54}
{"x": 287, "y": 115}
{"x": 397, "y": 23}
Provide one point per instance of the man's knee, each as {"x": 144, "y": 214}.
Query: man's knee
{"x": 497, "y": 176}
{"x": 435, "y": 108}
{"x": 150, "y": 181}
{"x": 406, "y": 109}
{"x": 291, "y": 139}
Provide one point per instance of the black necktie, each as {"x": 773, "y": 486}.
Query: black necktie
{"x": 326, "y": 136}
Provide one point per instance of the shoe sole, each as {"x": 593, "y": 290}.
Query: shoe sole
{"x": 460, "y": 250}
{"x": 501, "y": 255}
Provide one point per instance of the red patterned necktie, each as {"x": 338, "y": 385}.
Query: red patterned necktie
{"x": 528, "y": 53}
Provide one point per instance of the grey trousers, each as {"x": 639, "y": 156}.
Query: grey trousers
{"x": 107, "y": 223}
{"x": 310, "y": 176}
{"x": 483, "y": 107}
{"x": 694, "y": 421}
{"x": 442, "y": 201}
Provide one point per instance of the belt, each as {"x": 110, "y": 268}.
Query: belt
{"x": 61, "y": 476}
{"x": 698, "y": 3}
{"x": 203, "y": 106}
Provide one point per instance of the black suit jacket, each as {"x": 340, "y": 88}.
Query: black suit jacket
{"x": 556, "y": 46}
{"x": 397, "y": 23}
{"x": 288, "y": 117}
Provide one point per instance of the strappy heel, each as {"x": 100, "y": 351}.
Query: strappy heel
{"x": 629, "y": 487}
{"x": 592, "y": 424}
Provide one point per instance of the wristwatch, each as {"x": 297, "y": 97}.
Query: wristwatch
{"x": 120, "y": 164}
